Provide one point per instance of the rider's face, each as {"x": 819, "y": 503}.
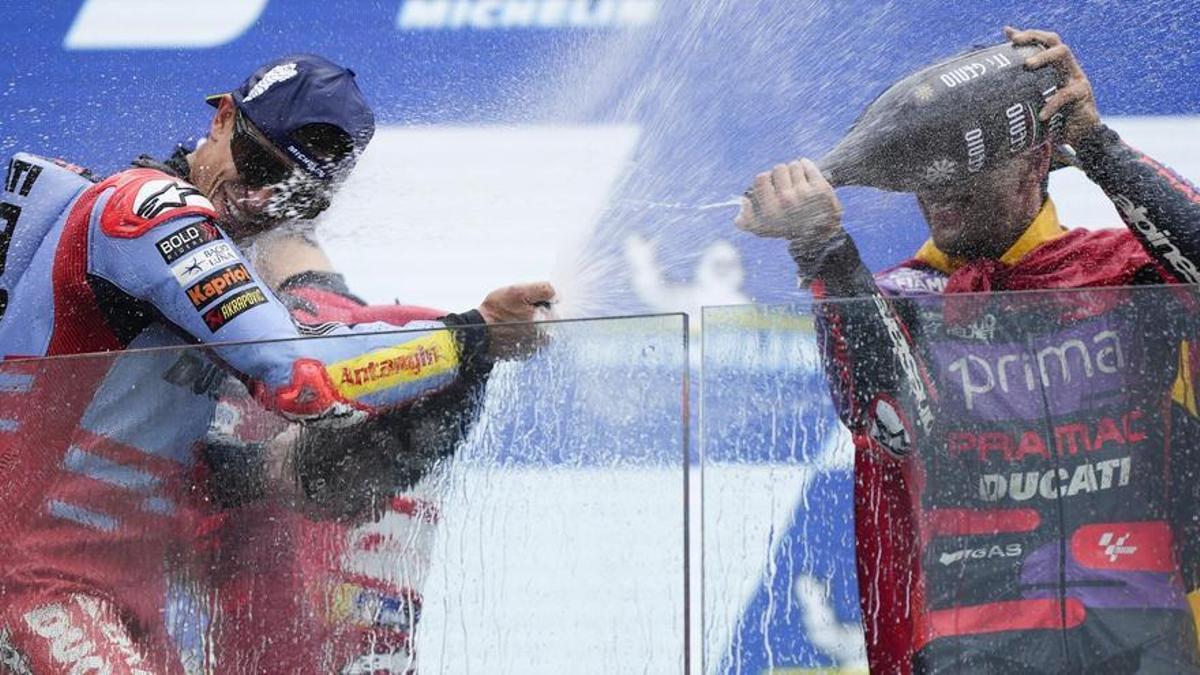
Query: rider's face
{"x": 214, "y": 172}
{"x": 252, "y": 185}
{"x": 983, "y": 216}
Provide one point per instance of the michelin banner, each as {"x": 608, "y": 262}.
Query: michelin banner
{"x": 604, "y": 144}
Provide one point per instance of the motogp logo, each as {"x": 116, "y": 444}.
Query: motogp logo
{"x": 1114, "y": 549}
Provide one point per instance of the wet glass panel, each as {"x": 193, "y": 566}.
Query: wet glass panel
{"x": 1024, "y": 491}
{"x": 778, "y": 536}
{"x": 157, "y": 518}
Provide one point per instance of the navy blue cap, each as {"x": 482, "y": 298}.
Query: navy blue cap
{"x": 288, "y": 93}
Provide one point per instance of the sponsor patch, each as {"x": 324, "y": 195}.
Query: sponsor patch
{"x": 145, "y": 198}
{"x": 230, "y": 309}
{"x": 980, "y": 553}
{"x": 187, "y": 239}
{"x": 391, "y": 366}
{"x": 195, "y": 265}
{"x": 157, "y": 197}
{"x": 889, "y": 427}
{"x": 1145, "y": 546}
{"x": 1053, "y": 484}
{"x": 217, "y": 284}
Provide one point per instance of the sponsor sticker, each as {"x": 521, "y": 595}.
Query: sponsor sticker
{"x": 156, "y": 197}
{"x": 217, "y": 284}
{"x": 197, "y": 264}
{"x": 187, "y": 239}
{"x": 384, "y": 368}
{"x": 231, "y": 308}
{"x": 1145, "y": 546}
{"x": 889, "y": 427}
{"x": 972, "y": 553}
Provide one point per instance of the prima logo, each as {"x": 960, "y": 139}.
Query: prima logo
{"x": 1050, "y": 366}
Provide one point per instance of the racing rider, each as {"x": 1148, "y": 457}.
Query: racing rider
{"x": 103, "y": 445}
{"x": 1011, "y": 448}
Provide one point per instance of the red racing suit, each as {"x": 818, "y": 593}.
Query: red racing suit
{"x": 1021, "y": 501}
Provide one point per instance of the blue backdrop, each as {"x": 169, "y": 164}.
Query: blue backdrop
{"x": 720, "y": 89}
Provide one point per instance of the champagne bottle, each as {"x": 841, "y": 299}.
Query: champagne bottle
{"x": 948, "y": 122}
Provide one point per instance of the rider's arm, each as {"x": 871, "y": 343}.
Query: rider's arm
{"x": 156, "y": 240}
{"x": 874, "y": 369}
{"x": 1159, "y": 206}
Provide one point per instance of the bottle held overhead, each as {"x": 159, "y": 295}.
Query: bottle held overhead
{"x": 948, "y": 122}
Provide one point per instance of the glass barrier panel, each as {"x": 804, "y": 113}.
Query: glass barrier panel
{"x": 1024, "y": 491}
{"x": 524, "y": 518}
{"x": 778, "y": 542}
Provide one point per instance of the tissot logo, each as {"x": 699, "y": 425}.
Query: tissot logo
{"x": 492, "y": 14}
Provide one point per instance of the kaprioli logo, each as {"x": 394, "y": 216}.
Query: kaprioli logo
{"x": 981, "y": 553}
{"x": 500, "y": 14}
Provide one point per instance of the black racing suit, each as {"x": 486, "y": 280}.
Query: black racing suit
{"x": 1021, "y": 468}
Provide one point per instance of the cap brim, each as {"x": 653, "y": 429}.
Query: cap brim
{"x": 215, "y": 99}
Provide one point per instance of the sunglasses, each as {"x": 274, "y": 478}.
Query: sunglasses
{"x": 260, "y": 164}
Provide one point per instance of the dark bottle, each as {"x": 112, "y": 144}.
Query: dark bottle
{"x": 948, "y": 122}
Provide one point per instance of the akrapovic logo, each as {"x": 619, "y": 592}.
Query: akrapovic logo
{"x": 494, "y": 14}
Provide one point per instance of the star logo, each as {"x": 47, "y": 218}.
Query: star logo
{"x": 941, "y": 171}
{"x": 193, "y": 268}
{"x": 923, "y": 93}
{"x": 169, "y": 195}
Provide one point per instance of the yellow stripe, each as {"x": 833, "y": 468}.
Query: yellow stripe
{"x": 1183, "y": 392}
{"x": 385, "y": 368}
{"x": 1194, "y": 601}
{"x": 1045, "y": 227}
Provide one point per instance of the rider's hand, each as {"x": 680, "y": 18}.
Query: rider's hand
{"x": 1075, "y": 96}
{"x": 795, "y": 202}
{"x": 509, "y": 312}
